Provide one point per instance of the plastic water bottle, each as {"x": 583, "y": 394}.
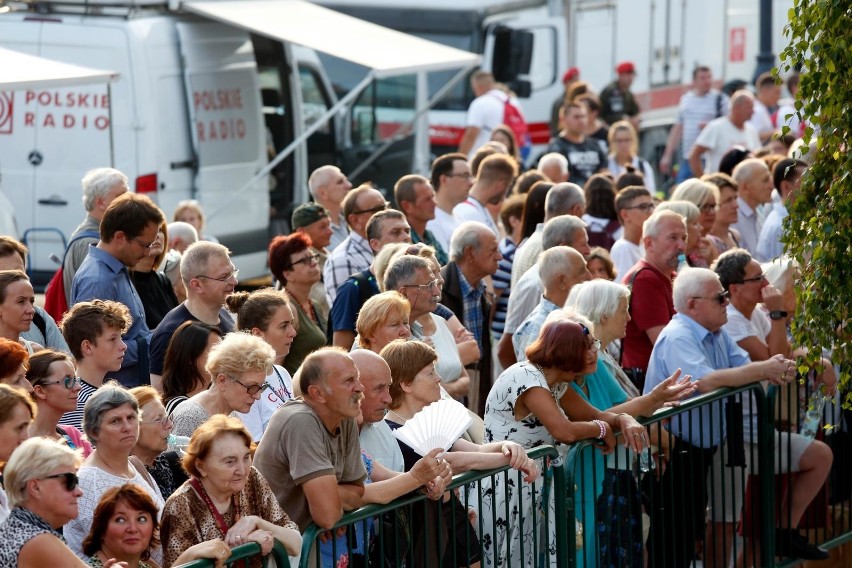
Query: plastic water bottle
{"x": 646, "y": 461}
{"x": 178, "y": 443}
{"x": 813, "y": 416}
{"x": 681, "y": 263}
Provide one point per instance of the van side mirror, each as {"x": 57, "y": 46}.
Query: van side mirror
{"x": 512, "y": 56}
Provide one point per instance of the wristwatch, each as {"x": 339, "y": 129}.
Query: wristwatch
{"x": 777, "y": 314}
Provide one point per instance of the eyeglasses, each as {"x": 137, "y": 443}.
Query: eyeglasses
{"x": 423, "y": 287}
{"x": 232, "y": 275}
{"x": 721, "y": 297}
{"x": 372, "y": 210}
{"x": 68, "y": 382}
{"x": 311, "y": 259}
{"x": 162, "y": 421}
{"x": 759, "y": 278}
{"x": 708, "y": 207}
{"x": 644, "y": 207}
{"x": 251, "y": 389}
{"x": 141, "y": 243}
{"x": 71, "y": 480}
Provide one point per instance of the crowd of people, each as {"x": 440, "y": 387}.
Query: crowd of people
{"x": 162, "y": 416}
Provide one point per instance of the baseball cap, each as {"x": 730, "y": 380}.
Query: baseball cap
{"x": 625, "y": 67}
{"x": 572, "y": 73}
{"x": 306, "y": 214}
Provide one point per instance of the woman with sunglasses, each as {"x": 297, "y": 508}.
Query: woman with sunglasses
{"x": 155, "y": 426}
{"x": 16, "y": 413}
{"x": 55, "y": 389}
{"x": 239, "y": 365}
{"x": 41, "y": 481}
{"x": 267, "y": 314}
{"x": 111, "y": 422}
{"x": 296, "y": 266}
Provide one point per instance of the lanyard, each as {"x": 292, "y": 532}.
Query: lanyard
{"x": 283, "y": 386}
{"x": 217, "y": 516}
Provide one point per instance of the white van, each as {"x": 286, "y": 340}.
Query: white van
{"x": 203, "y": 102}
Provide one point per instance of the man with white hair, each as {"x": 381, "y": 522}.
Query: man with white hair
{"x": 100, "y": 187}
{"x": 473, "y": 256}
{"x": 723, "y": 133}
{"x": 695, "y": 342}
{"x": 560, "y": 268}
{"x": 650, "y": 280}
{"x": 328, "y": 186}
{"x": 754, "y": 184}
{"x": 181, "y": 235}
{"x": 564, "y": 230}
{"x": 555, "y": 166}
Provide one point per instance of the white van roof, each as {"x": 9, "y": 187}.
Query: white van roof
{"x": 385, "y": 51}
{"x": 25, "y": 71}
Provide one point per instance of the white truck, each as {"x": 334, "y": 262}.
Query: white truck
{"x": 222, "y": 101}
{"x": 529, "y": 44}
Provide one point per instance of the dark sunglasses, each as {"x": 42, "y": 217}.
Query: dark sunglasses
{"x": 721, "y": 297}
{"x": 68, "y": 382}
{"x": 71, "y": 480}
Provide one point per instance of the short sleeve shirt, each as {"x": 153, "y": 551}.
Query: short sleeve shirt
{"x": 172, "y": 321}
{"x": 651, "y": 304}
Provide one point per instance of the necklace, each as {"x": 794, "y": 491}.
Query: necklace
{"x": 583, "y": 384}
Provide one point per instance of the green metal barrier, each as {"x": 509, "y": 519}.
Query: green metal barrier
{"x": 240, "y": 555}
{"x": 534, "y": 553}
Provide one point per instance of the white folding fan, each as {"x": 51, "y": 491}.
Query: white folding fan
{"x": 438, "y": 425}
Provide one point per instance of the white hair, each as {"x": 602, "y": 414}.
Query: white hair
{"x": 319, "y": 177}
{"x": 690, "y": 284}
{"x": 747, "y": 169}
{"x": 780, "y": 272}
{"x": 685, "y": 209}
{"x": 561, "y": 229}
{"x": 597, "y": 298}
{"x": 553, "y": 160}
{"x": 555, "y": 261}
{"x": 562, "y": 198}
{"x": 185, "y": 231}
{"x": 466, "y": 235}
{"x": 651, "y": 226}
{"x": 97, "y": 183}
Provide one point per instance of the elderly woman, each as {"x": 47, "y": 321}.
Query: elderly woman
{"x": 530, "y": 403}
{"x": 267, "y": 314}
{"x": 55, "y": 388}
{"x": 624, "y": 151}
{"x": 698, "y": 248}
{"x": 16, "y": 307}
{"x": 613, "y": 490}
{"x": 415, "y": 385}
{"x": 154, "y": 288}
{"x": 111, "y": 422}
{"x": 239, "y": 365}
{"x": 151, "y": 448}
{"x": 383, "y": 318}
{"x": 296, "y": 265}
{"x": 43, "y": 489}
{"x": 705, "y": 196}
{"x": 226, "y": 500}
{"x": 721, "y": 234}
{"x": 14, "y": 364}
{"x": 184, "y": 366}
{"x": 16, "y": 414}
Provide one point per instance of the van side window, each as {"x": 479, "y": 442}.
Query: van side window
{"x": 314, "y": 103}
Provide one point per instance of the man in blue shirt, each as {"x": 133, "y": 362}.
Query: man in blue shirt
{"x": 128, "y": 229}
{"x": 695, "y": 342}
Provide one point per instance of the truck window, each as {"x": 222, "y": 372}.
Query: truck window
{"x": 543, "y": 69}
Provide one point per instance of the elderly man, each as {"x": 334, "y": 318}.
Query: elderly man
{"x": 723, "y": 133}
{"x": 310, "y": 453}
{"x": 650, "y": 279}
{"x": 354, "y": 253}
{"x": 555, "y": 166}
{"x": 474, "y": 256}
{"x": 209, "y": 277}
{"x": 416, "y": 199}
{"x": 388, "y": 226}
{"x": 328, "y": 187}
{"x": 787, "y": 178}
{"x": 312, "y": 220}
{"x": 695, "y": 342}
{"x": 100, "y": 187}
{"x": 413, "y": 278}
{"x": 754, "y": 183}
{"x": 560, "y": 268}
{"x": 128, "y": 230}
{"x": 452, "y": 180}
{"x": 181, "y": 235}
{"x": 493, "y": 180}
{"x": 564, "y": 230}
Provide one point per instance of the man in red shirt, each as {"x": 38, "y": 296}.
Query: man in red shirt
{"x": 650, "y": 279}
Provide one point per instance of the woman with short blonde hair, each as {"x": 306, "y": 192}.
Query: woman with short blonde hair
{"x": 383, "y": 318}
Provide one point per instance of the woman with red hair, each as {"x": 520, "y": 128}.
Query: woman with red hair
{"x": 13, "y": 364}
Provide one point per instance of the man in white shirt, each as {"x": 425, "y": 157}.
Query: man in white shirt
{"x": 755, "y": 188}
{"x": 765, "y": 104}
{"x": 724, "y": 133}
{"x": 787, "y": 177}
{"x": 494, "y": 179}
{"x": 328, "y": 187}
{"x": 484, "y": 114}
{"x": 633, "y": 205}
{"x": 452, "y": 180}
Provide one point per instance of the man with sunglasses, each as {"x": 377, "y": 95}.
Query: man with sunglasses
{"x": 695, "y": 342}
{"x": 128, "y": 230}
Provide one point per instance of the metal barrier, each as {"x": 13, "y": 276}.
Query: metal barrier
{"x": 508, "y": 529}
{"x": 240, "y": 556}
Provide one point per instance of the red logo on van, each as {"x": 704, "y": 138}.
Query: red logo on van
{"x": 6, "y": 106}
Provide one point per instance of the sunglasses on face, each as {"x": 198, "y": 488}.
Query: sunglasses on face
{"x": 68, "y": 382}
{"x": 720, "y": 298}
{"x": 71, "y": 480}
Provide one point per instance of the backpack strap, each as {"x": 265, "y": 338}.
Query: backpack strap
{"x": 39, "y": 322}
{"x": 718, "y": 104}
{"x": 87, "y": 234}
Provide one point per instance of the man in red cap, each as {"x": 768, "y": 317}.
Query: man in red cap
{"x": 617, "y": 102}
{"x": 568, "y": 79}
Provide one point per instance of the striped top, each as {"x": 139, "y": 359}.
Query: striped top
{"x": 695, "y": 111}
{"x": 75, "y": 417}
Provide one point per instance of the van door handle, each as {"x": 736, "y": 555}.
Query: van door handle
{"x": 53, "y": 201}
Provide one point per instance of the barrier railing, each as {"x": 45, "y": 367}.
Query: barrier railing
{"x": 493, "y": 514}
{"x": 240, "y": 555}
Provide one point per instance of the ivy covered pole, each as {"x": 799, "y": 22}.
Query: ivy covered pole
{"x": 819, "y": 228}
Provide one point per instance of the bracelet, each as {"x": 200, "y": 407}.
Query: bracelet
{"x": 603, "y": 428}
